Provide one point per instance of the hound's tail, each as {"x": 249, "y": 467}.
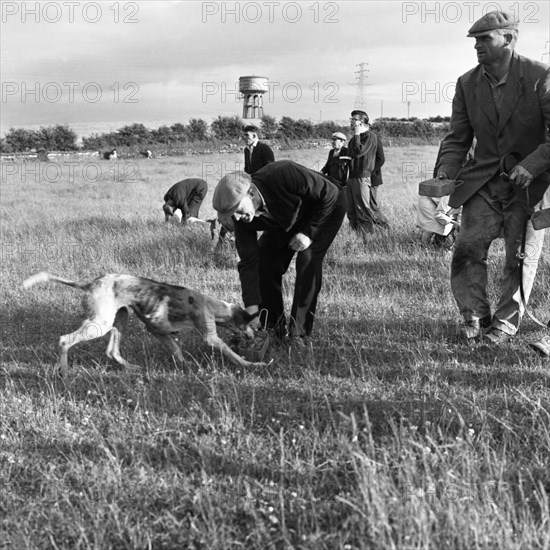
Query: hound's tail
{"x": 44, "y": 277}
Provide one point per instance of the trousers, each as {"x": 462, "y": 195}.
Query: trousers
{"x": 498, "y": 209}
{"x": 275, "y": 258}
{"x": 363, "y": 210}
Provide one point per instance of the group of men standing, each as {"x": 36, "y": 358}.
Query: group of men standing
{"x": 358, "y": 168}
{"x": 504, "y": 103}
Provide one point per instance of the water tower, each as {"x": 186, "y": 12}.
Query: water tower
{"x": 252, "y": 88}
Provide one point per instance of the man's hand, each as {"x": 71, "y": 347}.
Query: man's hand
{"x": 300, "y": 242}
{"x": 255, "y": 323}
{"x": 357, "y": 127}
{"x": 521, "y": 176}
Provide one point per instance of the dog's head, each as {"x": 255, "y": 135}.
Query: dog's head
{"x": 245, "y": 319}
{"x": 233, "y": 316}
{"x": 241, "y": 319}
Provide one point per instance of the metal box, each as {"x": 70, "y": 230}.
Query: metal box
{"x": 436, "y": 187}
{"x": 255, "y": 350}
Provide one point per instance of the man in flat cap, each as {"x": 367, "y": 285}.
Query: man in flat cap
{"x": 363, "y": 210}
{"x": 298, "y": 210}
{"x": 337, "y": 166}
{"x": 505, "y": 102}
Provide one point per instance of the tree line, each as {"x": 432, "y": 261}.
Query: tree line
{"x": 221, "y": 129}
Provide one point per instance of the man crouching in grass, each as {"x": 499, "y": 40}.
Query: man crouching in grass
{"x": 186, "y": 195}
{"x": 298, "y": 210}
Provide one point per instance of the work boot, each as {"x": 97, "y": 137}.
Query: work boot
{"x": 497, "y": 336}
{"x": 471, "y": 329}
{"x": 299, "y": 343}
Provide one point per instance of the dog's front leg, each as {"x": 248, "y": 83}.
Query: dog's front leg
{"x": 212, "y": 339}
{"x": 172, "y": 346}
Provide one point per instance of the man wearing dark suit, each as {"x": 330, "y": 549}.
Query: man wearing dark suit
{"x": 298, "y": 210}
{"x": 187, "y": 195}
{"x": 256, "y": 156}
{"x": 256, "y": 153}
{"x": 505, "y": 102}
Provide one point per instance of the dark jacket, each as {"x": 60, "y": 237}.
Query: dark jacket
{"x": 298, "y": 200}
{"x": 337, "y": 168}
{"x": 261, "y": 156}
{"x": 520, "y": 127}
{"x": 186, "y": 191}
{"x": 362, "y": 150}
{"x": 379, "y": 159}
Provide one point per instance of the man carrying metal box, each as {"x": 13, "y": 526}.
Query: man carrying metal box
{"x": 505, "y": 102}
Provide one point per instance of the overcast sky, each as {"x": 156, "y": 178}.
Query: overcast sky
{"x": 100, "y": 65}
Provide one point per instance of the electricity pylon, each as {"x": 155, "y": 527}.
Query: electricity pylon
{"x": 361, "y": 79}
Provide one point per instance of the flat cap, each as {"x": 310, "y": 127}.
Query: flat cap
{"x": 493, "y": 21}
{"x": 339, "y": 135}
{"x": 229, "y": 192}
{"x": 358, "y": 112}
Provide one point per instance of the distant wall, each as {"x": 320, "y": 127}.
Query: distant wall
{"x": 206, "y": 149}
{"x": 14, "y": 157}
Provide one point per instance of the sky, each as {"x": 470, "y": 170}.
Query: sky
{"x": 97, "y": 66}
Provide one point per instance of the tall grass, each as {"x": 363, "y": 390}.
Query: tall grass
{"x": 386, "y": 433}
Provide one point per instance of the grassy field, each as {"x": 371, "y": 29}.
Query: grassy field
{"x": 386, "y": 433}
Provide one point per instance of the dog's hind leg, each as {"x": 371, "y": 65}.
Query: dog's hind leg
{"x": 89, "y": 330}
{"x": 113, "y": 348}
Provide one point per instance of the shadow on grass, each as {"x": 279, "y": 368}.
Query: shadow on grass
{"x": 184, "y": 408}
{"x": 405, "y": 351}
{"x": 30, "y": 336}
{"x": 366, "y": 349}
